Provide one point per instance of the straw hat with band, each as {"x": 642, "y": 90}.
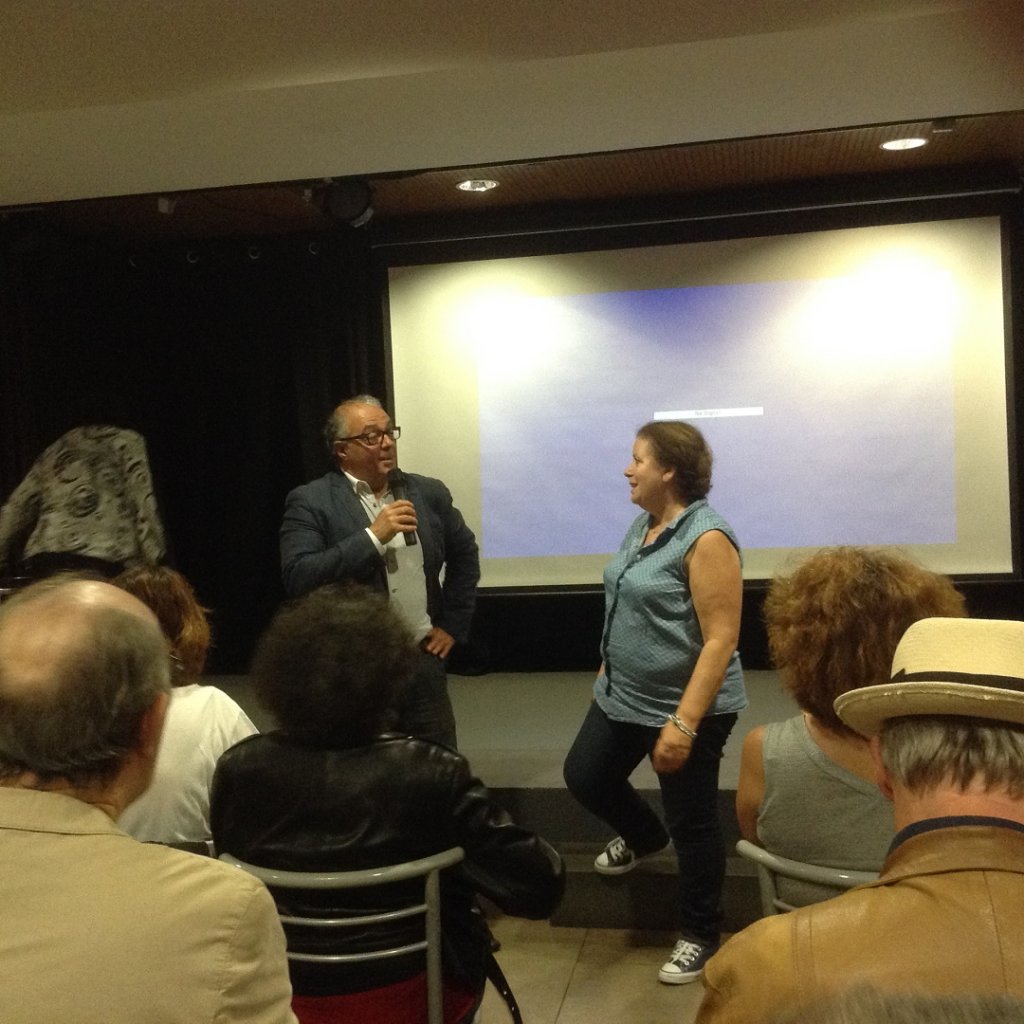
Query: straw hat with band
{"x": 973, "y": 668}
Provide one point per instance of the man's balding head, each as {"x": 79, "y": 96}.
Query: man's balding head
{"x": 81, "y": 662}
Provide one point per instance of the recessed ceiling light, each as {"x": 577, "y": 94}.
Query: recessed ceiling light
{"x": 477, "y": 185}
{"x": 904, "y": 143}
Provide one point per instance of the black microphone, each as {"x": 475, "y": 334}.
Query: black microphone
{"x": 396, "y": 479}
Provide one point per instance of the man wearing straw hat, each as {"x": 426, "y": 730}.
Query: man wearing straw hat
{"x": 947, "y": 912}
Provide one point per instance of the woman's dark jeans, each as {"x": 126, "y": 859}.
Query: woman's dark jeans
{"x": 597, "y": 770}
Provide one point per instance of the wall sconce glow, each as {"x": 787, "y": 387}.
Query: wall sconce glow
{"x": 899, "y": 144}
{"x": 477, "y": 185}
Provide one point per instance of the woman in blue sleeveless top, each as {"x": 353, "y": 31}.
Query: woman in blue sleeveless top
{"x": 670, "y": 683}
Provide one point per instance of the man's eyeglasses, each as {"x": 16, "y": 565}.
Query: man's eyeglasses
{"x": 372, "y": 438}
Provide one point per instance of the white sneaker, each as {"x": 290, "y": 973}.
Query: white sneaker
{"x": 686, "y": 963}
{"x": 617, "y": 858}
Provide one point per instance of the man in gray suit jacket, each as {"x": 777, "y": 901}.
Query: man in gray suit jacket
{"x": 361, "y": 524}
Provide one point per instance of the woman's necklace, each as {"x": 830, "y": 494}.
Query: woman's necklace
{"x": 653, "y": 532}
{"x": 657, "y": 528}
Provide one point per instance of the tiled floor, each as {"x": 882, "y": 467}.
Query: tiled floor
{"x": 587, "y": 976}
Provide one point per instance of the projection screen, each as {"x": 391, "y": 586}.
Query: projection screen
{"x": 851, "y": 383}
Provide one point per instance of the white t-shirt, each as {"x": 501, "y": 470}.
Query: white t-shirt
{"x": 202, "y": 722}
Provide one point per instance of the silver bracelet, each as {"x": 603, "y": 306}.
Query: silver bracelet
{"x": 682, "y": 726}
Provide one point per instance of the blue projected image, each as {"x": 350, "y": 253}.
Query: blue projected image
{"x": 819, "y": 438}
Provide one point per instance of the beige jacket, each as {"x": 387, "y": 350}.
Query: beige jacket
{"x": 98, "y": 928}
{"x": 946, "y": 915}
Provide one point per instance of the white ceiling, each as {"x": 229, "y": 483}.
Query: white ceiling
{"x": 114, "y": 97}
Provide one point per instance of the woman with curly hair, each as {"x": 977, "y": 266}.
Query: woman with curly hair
{"x": 806, "y": 788}
{"x": 333, "y": 789}
{"x": 202, "y": 721}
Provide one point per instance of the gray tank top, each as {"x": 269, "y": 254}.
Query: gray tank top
{"x": 818, "y": 812}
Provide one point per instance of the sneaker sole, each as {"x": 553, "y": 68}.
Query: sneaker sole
{"x": 679, "y": 979}
{"x": 607, "y": 869}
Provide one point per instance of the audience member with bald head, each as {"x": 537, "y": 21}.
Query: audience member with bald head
{"x": 83, "y": 681}
{"x": 84, "y": 678}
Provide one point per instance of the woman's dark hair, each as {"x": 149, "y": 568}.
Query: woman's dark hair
{"x": 332, "y": 664}
{"x": 680, "y": 446}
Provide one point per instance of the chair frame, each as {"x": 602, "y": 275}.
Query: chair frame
{"x": 770, "y": 865}
{"x": 428, "y": 868}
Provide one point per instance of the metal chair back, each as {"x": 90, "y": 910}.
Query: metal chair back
{"x": 427, "y": 868}
{"x": 771, "y": 867}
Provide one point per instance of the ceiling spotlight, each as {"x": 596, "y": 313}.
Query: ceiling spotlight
{"x": 477, "y": 185}
{"x": 898, "y": 144}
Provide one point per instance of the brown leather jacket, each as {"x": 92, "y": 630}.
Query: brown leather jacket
{"x": 946, "y": 915}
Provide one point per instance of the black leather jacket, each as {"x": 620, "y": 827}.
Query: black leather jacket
{"x": 278, "y": 803}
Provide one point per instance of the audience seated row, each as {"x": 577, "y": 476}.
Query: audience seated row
{"x": 906, "y": 706}
{"x": 84, "y": 700}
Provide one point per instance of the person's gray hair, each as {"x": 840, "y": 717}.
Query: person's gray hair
{"x": 864, "y": 1004}
{"x": 79, "y": 722}
{"x": 336, "y": 425}
{"x": 924, "y": 752}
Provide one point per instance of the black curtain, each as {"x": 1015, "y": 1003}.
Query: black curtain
{"x": 226, "y": 356}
